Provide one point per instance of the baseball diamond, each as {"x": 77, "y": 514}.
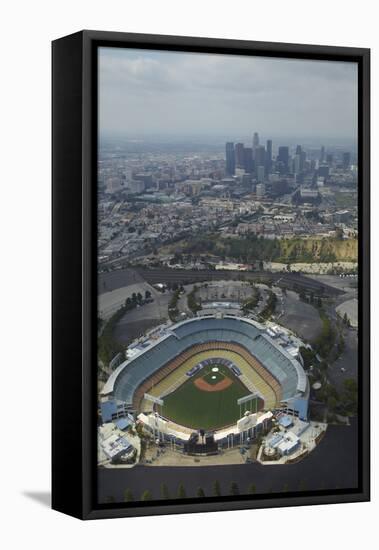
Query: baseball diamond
{"x": 177, "y": 368}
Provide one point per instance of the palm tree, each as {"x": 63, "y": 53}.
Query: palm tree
{"x": 234, "y": 490}
{"x": 164, "y": 491}
{"x": 146, "y": 495}
{"x": 128, "y": 495}
{"x": 302, "y": 485}
{"x": 216, "y": 489}
{"x": 181, "y": 491}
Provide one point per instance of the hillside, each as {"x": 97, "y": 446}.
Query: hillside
{"x": 252, "y": 249}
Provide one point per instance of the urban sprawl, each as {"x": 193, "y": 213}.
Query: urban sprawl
{"x": 249, "y": 206}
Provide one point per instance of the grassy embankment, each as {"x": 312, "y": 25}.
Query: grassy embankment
{"x": 252, "y": 249}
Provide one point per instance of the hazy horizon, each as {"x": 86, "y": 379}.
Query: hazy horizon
{"x": 147, "y": 95}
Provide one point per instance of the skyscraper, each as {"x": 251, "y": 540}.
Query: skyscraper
{"x": 296, "y": 163}
{"x": 260, "y": 173}
{"x": 239, "y": 155}
{"x": 268, "y": 155}
{"x": 303, "y": 158}
{"x": 230, "y": 159}
{"x": 260, "y": 190}
{"x": 248, "y": 159}
{"x": 346, "y": 160}
{"x": 260, "y": 156}
{"x": 283, "y": 154}
{"x": 322, "y": 154}
{"x": 283, "y": 159}
{"x": 255, "y": 140}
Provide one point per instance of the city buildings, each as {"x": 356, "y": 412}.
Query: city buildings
{"x": 230, "y": 159}
{"x": 149, "y": 200}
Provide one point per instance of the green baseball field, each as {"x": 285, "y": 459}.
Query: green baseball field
{"x": 206, "y": 400}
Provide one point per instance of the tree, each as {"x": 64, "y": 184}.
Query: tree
{"x": 302, "y": 485}
{"x": 128, "y": 495}
{"x": 200, "y": 492}
{"x": 346, "y": 320}
{"x": 146, "y": 495}
{"x": 147, "y": 294}
{"x": 341, "y": 345}
{"x": 139, "y": 297}
{"x": 234, "y": 490}
{"x": 285, "y": 488}
{"x": 216, "y": 490}
{"x": 181, "y": 491}
{"x": 164, "y": 491}
{"x": 252, "y": 489}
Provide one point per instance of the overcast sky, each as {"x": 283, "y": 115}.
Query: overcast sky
{"x": 144, "y": 93}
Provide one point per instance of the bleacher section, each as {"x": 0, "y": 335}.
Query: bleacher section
{"x": 163, "y": 382}
{"x": 280, "y": 371}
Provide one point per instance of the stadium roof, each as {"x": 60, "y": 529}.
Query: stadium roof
{"x": 108, "y": 408}
{"x": 123, "y": 423}
{"x": 179, "y": 337}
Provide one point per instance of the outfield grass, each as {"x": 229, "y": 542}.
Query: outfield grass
{"x": 192, "y": 407}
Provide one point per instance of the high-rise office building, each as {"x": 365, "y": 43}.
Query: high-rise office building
{"x": 260, "y": 190}
{"x": 239, "y": 155}
{"x": 296, "y": 163}
{"x": 268, "y": 155}
{"x": 260, "y": 173}
{"x": 283, "y": 159}
{"x": 323, "y": 171}
{"x": 303, "y": 159}
{"x": 248, "y": 159}
{"x": 260, "y": 156}
{"x": 230, "y": 159}
{"x": 322, "y": 154}
{"x": 255, "y": 140}
{"x": 346, "y": 160}
{"x": 283, "y": 154}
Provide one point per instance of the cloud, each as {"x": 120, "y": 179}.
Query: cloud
{"x": 155, "y": 92}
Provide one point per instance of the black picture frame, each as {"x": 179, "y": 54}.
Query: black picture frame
{"x": 74, "y": 295}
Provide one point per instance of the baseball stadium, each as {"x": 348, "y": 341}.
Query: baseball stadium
{"x": 218, "y": 376}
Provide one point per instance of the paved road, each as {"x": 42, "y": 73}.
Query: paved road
{"x": 333, "y": 464}
{"x": 123, "y": 277}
